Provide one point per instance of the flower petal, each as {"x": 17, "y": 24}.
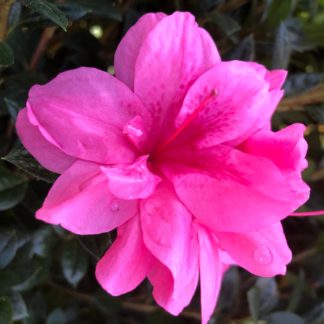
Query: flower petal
{"x": 287, "y": 149}
{"x": 169, "y": 235}
{"x": 264, "y": 252}
{"x": 128, "y": 48}
{"x": 238, "y": 108}
{"x": 173, "y": 55}
{"x": 80, "y": 201}
{"x": 127, "y": 262}
{"x": 83, "y": 112}
{"x": 276, "y": 78}
{"x": 211, "y": 272}
{"x": 48, "y": 155}
{"x": 240, "y": 192}
{"x": 134, "y": 181}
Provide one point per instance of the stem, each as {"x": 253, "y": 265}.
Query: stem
{"x": 312, "y": 96}
{"x": 310, "y": 213}
{"x": 41, "y": 47}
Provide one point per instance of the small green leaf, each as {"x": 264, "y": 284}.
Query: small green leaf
{"x": 5, "y": 311}
{"x": 262, "y": 297}
{"x": 56, "y": 317}
{"x": 226, "y": 23}
{"x": 12, "y": 189}
{"x": 19, "y": 157}
{"x": 48, "y": 10}
{"x": 8, "y": 248}
{"x": 6, "y": 55}
{"x": 74, "y": 262}
{"x": 284, "y": 318}
{"x": 43, "y": 241}
{"x": 19, "y": 307}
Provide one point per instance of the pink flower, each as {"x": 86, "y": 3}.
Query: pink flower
{"x": 176, "y": 152}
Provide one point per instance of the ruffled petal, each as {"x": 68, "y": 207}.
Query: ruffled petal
{"x": 264, "y": 252}
{"x": 173, "y": 55}
{"x": 134, "y": 181}
{"x": 129, "y": 47}
{"x": 127, "y": 262}
{"x": 233, "y": 109}
{"x": 48, "y": 155}
{"x": 211, "y": 272}
{"x": 287, "y": 149}
{"x": 170, "y": 236}
{"x": 240, "y": 192}
{"x": 83, "y": 113}
{"x": 80, "y": 201}
{"x": 275, "y": 78}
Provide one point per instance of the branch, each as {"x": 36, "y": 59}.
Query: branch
{"x": 41, "y": 47}
{"x": 297, "y": 102}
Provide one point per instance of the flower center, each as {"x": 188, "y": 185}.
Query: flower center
{"x": 188, "y": 121}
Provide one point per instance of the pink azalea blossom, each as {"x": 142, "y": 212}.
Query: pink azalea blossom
{"x": 177, "y": 153}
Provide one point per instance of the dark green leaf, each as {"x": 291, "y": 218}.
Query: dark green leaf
{"x": 6, "y": 55}
{"x": 16, "y": 275}
{"x": 19, "y": 307}
{"x": 282, "y": 48}
{"x": 12, "y": 107}
{"x": 5, "y": 311}
{"x": 297, "y": 293}
{"x": 43, "y": 241}
{"x": 103, "y": 8}
{"x": 74, "y": 262}
{"x": 48, "y": 10}
{"x": 262, "y": 297}
{"x": 284, "y": 318}
{"x": 23, "y": 160}
{"x": 8, "y": 248}
{"x": 12, "y": 189}
{"x": 56, "y": 317}
{"x": 226, "y": 23}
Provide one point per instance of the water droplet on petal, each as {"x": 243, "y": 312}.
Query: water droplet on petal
{"x": 114, "y": 206}
{"x": 263, "y": 255}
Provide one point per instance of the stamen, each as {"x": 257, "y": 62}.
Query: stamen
{"x": 188, "y": 121}
{"x": 311, "y": 213}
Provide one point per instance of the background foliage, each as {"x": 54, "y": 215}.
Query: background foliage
{"x": 46, "y": 273}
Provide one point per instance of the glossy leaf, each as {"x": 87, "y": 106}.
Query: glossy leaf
{"x": 6, "y": 55}
{"x": 48, "y": 10}
{"x": 5, "y": 311}
{"x": 74, "y": 262}
{"x": 8, "y": 248}
{"x": 12, "y": 189}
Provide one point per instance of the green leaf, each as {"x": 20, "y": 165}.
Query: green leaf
{"x": 48, "y": 10}
{"x": 284, "y": 318}
{"x": 19, "y": 307}
{"x": 16, "y": 275}
{"x": 262, "y": 297}
{"x": 226, "y": 23}
{"x": 6, "y": 55}
{"x": 56, "y": 317}
{"x": 8, "y": 248}
{"x": 19, "y": 157}
{"x": 12, "y": 108}
{"x": 43, "y": 241}
{"x": 12, "y": 189}
{"x": 5, "y": 311}
{"x": 74, "y": 262}
{"x": 103, "y": 8}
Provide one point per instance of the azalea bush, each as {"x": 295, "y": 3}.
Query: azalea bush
{"x": 149, "y": 153}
